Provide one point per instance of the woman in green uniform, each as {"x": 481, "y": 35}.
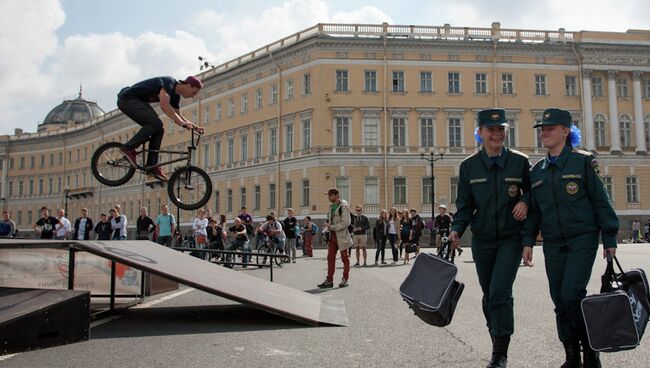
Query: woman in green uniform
{"x": 570, "y": 205}
{"x": 492, "y": 194}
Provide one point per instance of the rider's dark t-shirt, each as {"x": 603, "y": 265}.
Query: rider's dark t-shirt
{"x": 239, "y": 228}
{"x": 148, "y": 91}
{"x": 47, "y": 226}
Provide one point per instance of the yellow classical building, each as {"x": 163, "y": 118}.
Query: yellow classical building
{"x": 356, "y": 107}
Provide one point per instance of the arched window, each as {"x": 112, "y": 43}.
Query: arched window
{"x": 599, "y": 130}
{"x": 626, "y": 131}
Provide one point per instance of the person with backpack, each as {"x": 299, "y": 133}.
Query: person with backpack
{"x": 310, "y": 229}
{"x": 7, "y": 226}
{"x": 340, "y": 238}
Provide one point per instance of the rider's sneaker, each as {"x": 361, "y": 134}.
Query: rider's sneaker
{"x": 158, "y": 173}
{"x": 326, "y": 284}
{"x": 344, "y": 283}
{"x": 131, "y": 155}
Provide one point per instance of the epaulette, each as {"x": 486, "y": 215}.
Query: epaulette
{"x": 470, "y": 156}
{"x": 519, "y": 153}
{"x": 583, "y": 152}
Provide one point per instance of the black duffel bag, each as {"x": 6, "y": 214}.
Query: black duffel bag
{"x": 431, "y": 289}
{"x": 617, "y": 317}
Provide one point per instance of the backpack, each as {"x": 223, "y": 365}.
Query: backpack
{"x": 314, "y": 229}
{"x": 351, "y": 226}
{"x": 419, "y": 226}
{"x": 5, "y": 229}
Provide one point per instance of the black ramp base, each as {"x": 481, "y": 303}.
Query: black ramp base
{"x": 238, "y": 286}
{"x": 38, "y": 318}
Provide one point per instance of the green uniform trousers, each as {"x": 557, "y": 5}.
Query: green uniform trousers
{"x": 568, "y": 269}
{"x": 497, "y": 263}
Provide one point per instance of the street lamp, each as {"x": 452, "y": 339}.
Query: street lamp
{"x": 431, "y": 157}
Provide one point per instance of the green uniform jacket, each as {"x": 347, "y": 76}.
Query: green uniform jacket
{"x": 487, "y": 193}
{"x": 568, "y": 198}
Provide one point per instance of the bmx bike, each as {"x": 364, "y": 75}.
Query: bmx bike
{"x": 189, "y": 187}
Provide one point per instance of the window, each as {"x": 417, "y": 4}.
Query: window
{"x": 206, "y": 120}
{"x": 273, "y": 142}
{"x": 217, "y": 153}
{"x": 60, "y": 158}
{"x": 30, "y": 216}
{"x": 370, "y": 81}
{"x": 607, "y": 181}
{"x": 206, "y": 155}
{"x": 453, "y": 82}
{"x": 59, "y": 184}
{"x": 646, "y": 131}
{"x": 244, "y": 147}
{"x": 19, "y": 219}
{"x": 453, "y": 188}
{"x": 22, "y": 163}
{"x": 399, "y": 132}
{"x": 398, "y": 81}
{"x": 454, "y": 132}
{"x": 621, "y": 87}
{"x": 507, "y": 85}
{"x": 288, "y": 138}
{"x": 257, "y": 197}
{"x": 289, "y": 85}
{"x": 371, "y": 130}
{"x": 31, "y": 186}
{"x": 481, "y": 83}
{"x": 244, "y": 103}
{"x": 31, "y": 160}
{"x": 50, "y": 185}
{"x": 305, "y": 193}
{"x": 626, "y": 131}
{"x": 21, "y": 190}
{"x": 217, "y": 112}
{"x": 231, "y": 107}
{"x": 342, "y": 80}
{"x": 306, "y": 84}
{"x": 570, "y": 86}
{"x": 646, "y": 88}
{"x": 258, "y": 98}
{"x": 51, "y": 159}
{"x": 399, "y": 191}
{"x": 43, "y": 157}
{"x": 426, "y": 82}
{"x": 230, "y": 154}
{"x": 511, "y": 137}
{"x": 342, "y": 131}
{"x": 229, "y": 201}
{"x": 427, "y": 193}
{"x": 597, "y": 87}
{"x": 217, "y": 202}
{"x": 540, "y": 85}
{"x": 371, "y": 190}
{"x": 258, "y": 145}
{"x": 271, "y": 195}
{"x": 599, "y": 131}
{"x": 11, "y": 188}
{"x": 343, "y": 185}
{"x": 242, "y": 196}
{"x": 273, "y": 98}
{"x": 632, "y": 189}
{"x": 306, "y": 133}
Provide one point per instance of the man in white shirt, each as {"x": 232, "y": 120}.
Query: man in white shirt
{"x": 63, "y": 228}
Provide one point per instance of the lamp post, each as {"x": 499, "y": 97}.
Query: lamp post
{"x": 66, "y": 195}
{"x": 431, "y": 157}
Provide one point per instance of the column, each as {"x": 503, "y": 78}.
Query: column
{"x": 641, "y": 148}
{"x": 614, "y": 128}
{"x": 5, "y": 184}
{"x": 587, "y": 113}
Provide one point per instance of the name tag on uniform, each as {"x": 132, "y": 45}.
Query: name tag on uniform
{"x": 571, "y": 176}
{"x": 513, "y": 180}
{"x": 536, "y": 184}
{"x": 478, "y": 180}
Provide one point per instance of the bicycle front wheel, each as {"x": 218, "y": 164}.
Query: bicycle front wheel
{"x": 109, "y": 166}
{"x": 189, "y": 188}
{"x": 261, "y": 257}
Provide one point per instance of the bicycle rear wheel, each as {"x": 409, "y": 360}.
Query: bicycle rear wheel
{"x": 261, "y": 257}
{"x": 109, "y": 166}
{"x": 189, "y": 188}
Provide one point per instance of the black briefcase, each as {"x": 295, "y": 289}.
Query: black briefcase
{"x": 617, "y": 317}
{"x": 431, "y": 289}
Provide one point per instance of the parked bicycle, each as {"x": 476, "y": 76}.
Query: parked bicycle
{"x": 189, "y": 187}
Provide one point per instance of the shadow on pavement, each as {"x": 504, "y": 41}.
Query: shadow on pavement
{"x": 192, "y": 320}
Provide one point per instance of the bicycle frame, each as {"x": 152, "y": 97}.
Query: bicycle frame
{"x": 185, "y": 155}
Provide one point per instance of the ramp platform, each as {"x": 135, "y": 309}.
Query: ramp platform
{"x": 199, "y": 274}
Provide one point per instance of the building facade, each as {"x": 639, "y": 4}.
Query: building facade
{"x": 355, "y": 107}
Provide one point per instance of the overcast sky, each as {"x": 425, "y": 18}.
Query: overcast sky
{"x": 49, "y": 47}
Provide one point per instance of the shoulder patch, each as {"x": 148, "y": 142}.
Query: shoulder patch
{"x": 519, "y": 153}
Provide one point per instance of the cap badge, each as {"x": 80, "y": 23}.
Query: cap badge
{"x": 495, "y": 116}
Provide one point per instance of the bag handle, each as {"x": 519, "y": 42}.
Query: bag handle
{"x": 609, "y": 276}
